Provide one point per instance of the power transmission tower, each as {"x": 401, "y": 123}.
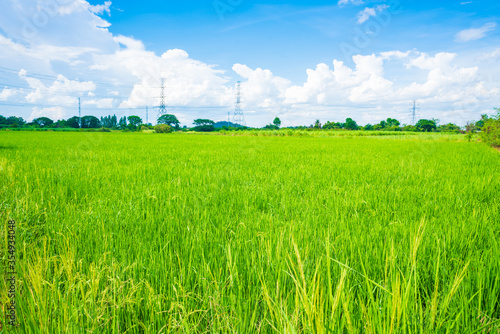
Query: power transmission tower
{"x": 414, "y": 109}
{"x": 238, "y": 117}
{"x": 79, "y": 113}
{"x": 162, "y": 109}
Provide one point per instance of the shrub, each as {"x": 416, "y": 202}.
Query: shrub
{"x": 163, "y": 128}
{"x": 490, "y": 132}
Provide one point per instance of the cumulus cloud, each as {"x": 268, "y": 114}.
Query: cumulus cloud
{"x": 187, "y": 81}
{"x": 61, "y": 92}
{"x": 6, "y": 93}
{"x": 472, "y": 34}
{"x": 368, "y": 12}
{"x": 262, "y": 88}
{"x": 53, "y": 113}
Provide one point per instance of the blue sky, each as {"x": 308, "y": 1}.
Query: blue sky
{"x": 300, "y": 61}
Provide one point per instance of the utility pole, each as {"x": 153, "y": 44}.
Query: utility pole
{"x": 238, "y": 117}
{"x": 80, "y": 112}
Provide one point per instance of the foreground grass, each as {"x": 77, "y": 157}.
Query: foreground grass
{"x": 155, "y": 233}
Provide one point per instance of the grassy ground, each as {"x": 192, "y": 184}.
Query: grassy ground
{"x": 127, "y": 232}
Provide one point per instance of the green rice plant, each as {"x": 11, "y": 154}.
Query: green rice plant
{"x": 196, "y": 233}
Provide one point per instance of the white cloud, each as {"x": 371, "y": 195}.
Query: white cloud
{"x": 368, "y": 12}
{"x": 475, "y": 33}
{"x": 100, "y": 103}
{"x": 441, "y": 60}
{"x": 6, "y": 93}
{"x": 394, "y": 54}
{"x": 354, "y": 2}
{"x": 61, "y": 92}
{"x": 100, "y": 9}
{"x": 54, "y": 113}
{"x": 187, "y": 81}
{"x": 490, "y": 55}
{"x": 262, "y": 88}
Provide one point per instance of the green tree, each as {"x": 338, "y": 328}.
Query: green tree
{"x": 482, "y": 121}
{"x": 60, "y": 124}
{"x": 15, "y": 121}
{"x": 490, "y": 132}
{"x": 368, "y": 127}
{"x": 410, "y": 128}
{"x": 134, "y": 121}
{"x": 43, "y": 122}
{"x": 204, "y": 125}
{"x": 351, "y": 124}
{"x": 169, "y": 120}
{"x": 391, "y": 122}
{"x": 450, "y": 127}
{"x": 426, "y": 125}
{"x": 317, "y": 124}
{"x": 201, "y": 121}
{"x": 122, "y": 123}
{"x": 90, "y": 122}
{"x": 73, "y": 122}
{"x": 277, "y": 122}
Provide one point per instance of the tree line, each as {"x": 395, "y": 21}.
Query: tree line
{"x": 170, "y": 123}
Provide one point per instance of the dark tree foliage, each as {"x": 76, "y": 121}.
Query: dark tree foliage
{"x": 277, "y": 122}
{"x": 201, "y": 121}
{"x": 43, "y": 122}
{"x": 73, "y": 122}
{"x": 134, "y": 121}
{"x": 482, "y": 121}
{"x": 391, "y": 122}
{"x": 109, "y": 121}
{"x": 426, "y": 125}
{"x": 90, "y": 122}
{"x": 122, "y": 124}
{"x": 333, "y": 125}
{"x": 11, "y": 121}
{"x": 169, "y": 120}
{"x": 490, "y": 131}
{"x": 450, "y": 127}
{"x": 351, "y": 124}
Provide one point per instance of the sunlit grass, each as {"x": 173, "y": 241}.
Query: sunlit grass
{"x": 124, "y": 232}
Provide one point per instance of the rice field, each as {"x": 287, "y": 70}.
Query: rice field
{"x": 185, "y": 233}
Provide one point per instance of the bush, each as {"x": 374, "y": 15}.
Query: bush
{"x": 490, "y": 132}
{"x": 204, "y": 128}
{"x": 163, "y": 128}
